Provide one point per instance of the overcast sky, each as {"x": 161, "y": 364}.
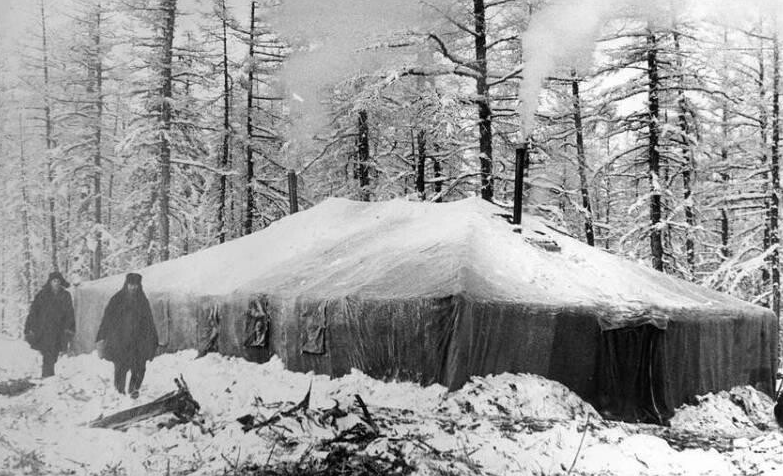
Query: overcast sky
{"x": 561, "y": 34}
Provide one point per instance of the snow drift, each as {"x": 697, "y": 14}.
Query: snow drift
{"x": 485, "y": 428}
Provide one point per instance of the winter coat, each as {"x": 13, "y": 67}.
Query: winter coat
{"x": 49, "y": 319}
{"x": 127, "y": 329}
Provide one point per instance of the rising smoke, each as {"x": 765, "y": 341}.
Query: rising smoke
{"x": 332, "y": 38}
{"x": 564, "y": 34}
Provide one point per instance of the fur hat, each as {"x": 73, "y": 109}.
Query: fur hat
{"x": 57, "y": 275}
{"x": 133, "y": 278}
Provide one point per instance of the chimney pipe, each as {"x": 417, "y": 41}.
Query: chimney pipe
{"x": 522, "y": 163}
{"x": 293, "y": 199}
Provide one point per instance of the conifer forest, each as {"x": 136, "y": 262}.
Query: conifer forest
{"x": 137, "y": 131}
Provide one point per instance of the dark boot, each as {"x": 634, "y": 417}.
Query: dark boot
{"x": 120, "y": 374}
{"x": 137, "y": 376}
{"x": 47, "y": 369}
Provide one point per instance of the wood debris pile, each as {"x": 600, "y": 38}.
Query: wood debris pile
{"x": 14, "y": 387}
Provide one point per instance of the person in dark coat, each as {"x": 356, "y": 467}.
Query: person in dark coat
{"x": 50, "y": 323}
{"x": 127, "y": 334}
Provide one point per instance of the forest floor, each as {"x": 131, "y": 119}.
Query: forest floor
{"x": 497, "y": 425}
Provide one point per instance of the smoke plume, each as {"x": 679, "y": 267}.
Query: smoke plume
{"x": 564, "y": 34}
{"x": 332, "y": 39}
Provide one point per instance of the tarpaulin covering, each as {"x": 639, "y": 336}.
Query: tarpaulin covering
{"x": 439, "y": 292}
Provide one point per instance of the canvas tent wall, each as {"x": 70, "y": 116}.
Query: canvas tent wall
{"x": 440, "y": 292}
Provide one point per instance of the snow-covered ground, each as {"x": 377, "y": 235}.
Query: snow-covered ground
{"x": 506, "y": 424}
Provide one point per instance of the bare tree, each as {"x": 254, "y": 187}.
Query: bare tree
{"x": 250, "y": 202}
{"x": 582, "y": 162}
{"x": 49, "y": 139}
{"x": 225, "y": 158}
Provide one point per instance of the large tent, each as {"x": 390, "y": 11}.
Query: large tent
{"x": 439, "y": 292}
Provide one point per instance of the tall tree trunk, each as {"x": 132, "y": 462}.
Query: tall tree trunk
{"x": 421, "y": 140}
{"x": 250, "y": 205}
{"x": 725, "y": 250}
{"x": 437, "y": 173}
{"x": 49, "y": 141}
{"x": 109, "y": 197}
{"x": 582, "y": 162}
{"x": 67, "y": 233}
{"x": 482, "y": 100}
{"x": 3, "y": 278}
{"x": 653, "y": 156}
{"x": 169, "y": 7}
{"x": 725, "y": 229}
{"x": 608, "y": 188}
{"x": 763, "y": 125}
{"x": 110, "y": 192}
{"x": 26, "y": 246}
{"x": 363, "y": 153}
{"x": 95, "y": 87}
{"x": 774, "y": 170}
{"x": 150, "y": 232}
{"x": 414, "y": 163}
{"x": 687, "y": 160}
{"x": 224, "y": 159}
{"x": 690, "y": 218}
{"x": 3, "y": 243}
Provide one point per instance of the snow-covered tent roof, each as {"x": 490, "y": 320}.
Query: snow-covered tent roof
{"x": 401, "y": 249}
{"x": 438, "y": 292}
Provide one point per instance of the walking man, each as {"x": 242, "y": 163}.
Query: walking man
{"x": 50, "y": 323}
{"x": 127, "y": 335}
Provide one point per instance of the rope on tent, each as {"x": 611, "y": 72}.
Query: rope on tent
{"x": 581, "y": 442}
{"x": 652, "y": 385}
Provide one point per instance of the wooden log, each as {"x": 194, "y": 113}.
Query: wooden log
{"x": 12, "y": 388}
{"x": 366, "y": 413}
{"x": 179, "y": 402}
